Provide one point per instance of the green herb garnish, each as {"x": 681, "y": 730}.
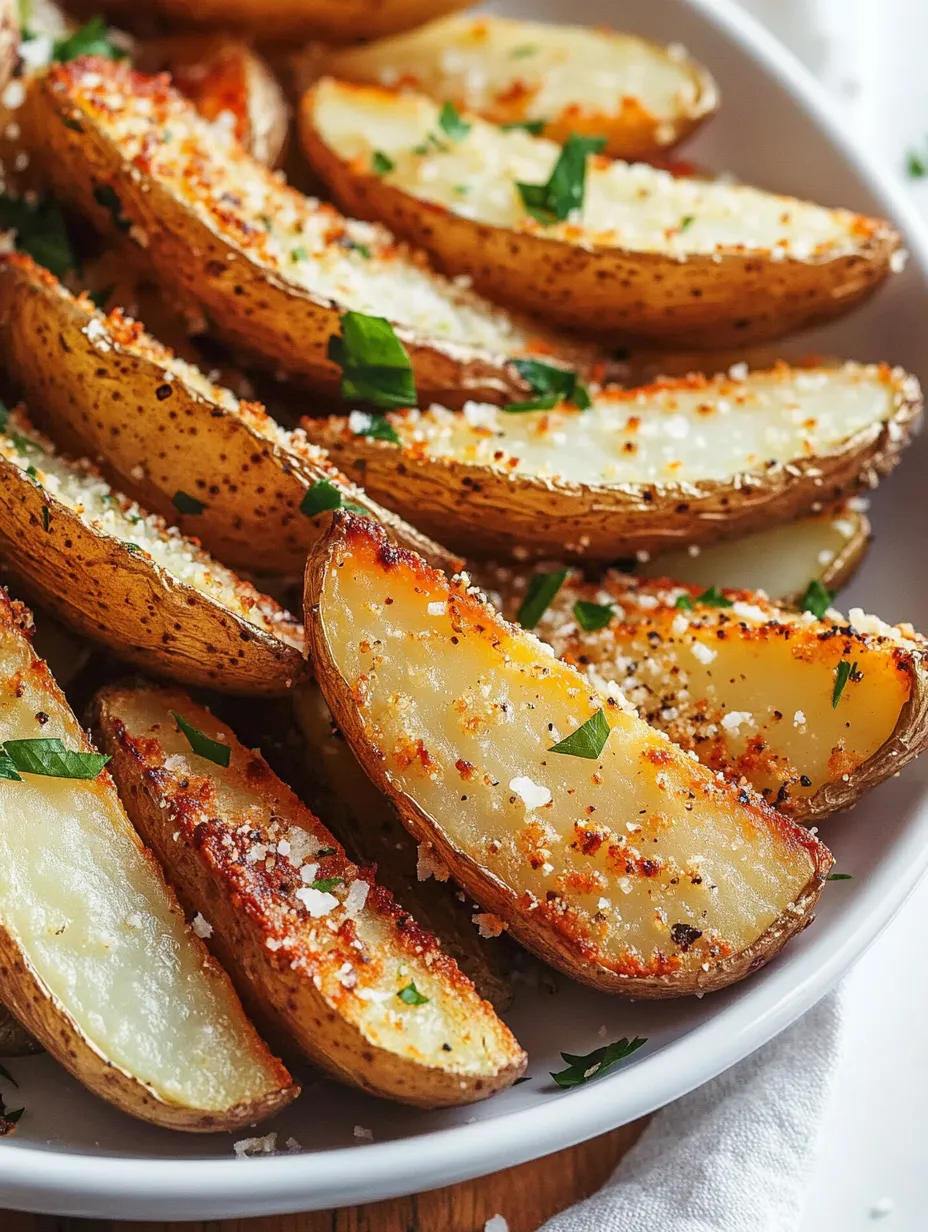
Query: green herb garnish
{"x": 684, "y": 603}
{"x": 685, "y": 223}
{"x": 380, "y": 164}
{"x": 916, "y": 165}
{"x": 534, "y": 127}
{"x": 564, "y": 192}
{"x": 106, "y": 196}
{"x": 519, "y": 53}
{"x": 843, "y": 673}
{"x": 713, "y": 597}
{"x": 326, "y": 884}
{"x": 5, "y": 1073}
{"x": 353, "y": 246}
{"x": 298, "y": 254}
{"x": 375, "y": 365}
{"x": 410, "y": 995}
{"x": 817, "y": 599}
{"x": 40, "y": 232}
{"x": 47, "y": 757}
{"x": 450, "y": 122}
{"x": 551, "y": 385}
{"x": 541, "y": 591}
{"x": 840, "y": 876}
{"x": 588, "y": 740}
{"x": 100, "y": 298}
{"x": 202, "y": 745}
{"x": 184, "y": 503}
{"x": 591, "y": 616}
{"x": 596, "y": 1063}
{"x": 91, "y": 39}
{"x": 322, "y": 497}
{"x": 379, "y": 428}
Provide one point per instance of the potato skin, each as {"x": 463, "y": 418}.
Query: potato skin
{"x": 489, "y": 512}
{"x": 615, "y": 294}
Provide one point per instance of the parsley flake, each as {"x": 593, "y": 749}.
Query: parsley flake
{"x": 916, "y": 165}
{"x": 410, "y": 995}
{"x": 40, "y": 232}
{"x": 326, "y": 884}
{"x": 565, "y": 190}
{"x": 203, "y": 746}
{"x": 450, "y": 122}
{"x": 587, "y": 741}
{"x": 592, "y": 616}
{"x": 322, "y": 497}
{"x": 379, "y": 428}
{"x": 685, "y": 223}
{"x": 581, "y": 1069}
{"x": 91, "y": 39}
{"x": 684, "y": 603}
{"x": 375, "y": 365}
{"x": 843, "y": 673}
{"x": 539, "y": 596}
{"x": 551, "y": 385}
{"x": 817, "y": 599}
{"x": 49, "y": 758}
{"x": 713, "y": 597}
{"x": 534, "y": 127}
{"x": 840, "y": 876}
{"x": 185, "y": 503}
{"x": 380, "y": 164}
{"x": 519, "y": 53}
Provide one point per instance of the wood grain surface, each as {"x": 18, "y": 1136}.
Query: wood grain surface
{"x": 526, "y": 1196}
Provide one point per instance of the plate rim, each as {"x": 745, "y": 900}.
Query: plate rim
{"x": 62, "y": 1182}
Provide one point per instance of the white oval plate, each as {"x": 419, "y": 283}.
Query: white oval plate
{"x": 73, "y": 1155}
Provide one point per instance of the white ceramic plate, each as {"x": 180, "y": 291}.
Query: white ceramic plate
{"x": 73, "y": 1155}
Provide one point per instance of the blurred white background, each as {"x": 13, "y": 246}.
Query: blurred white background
{"x": 873, "y": 1165}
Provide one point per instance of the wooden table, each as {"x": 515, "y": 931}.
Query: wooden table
{"x": 526, "y": 1196}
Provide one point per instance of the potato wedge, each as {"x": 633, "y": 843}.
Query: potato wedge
{"x": 643, "y": 98}
{"x": 159, "y": 428}
{"x": 99, "y": 966}
{"x": 369, "y": 826}
{"x": 15, "y": 1040}
{"x": 273, "y": 269}
{"x": 633, "y": 253}
{"x": 309, "y": 939}
{"x": 454, "y": 714}
{"x": 682, "y": 462}
{"x": 226, "y": 80}
{"x": 121, "y": 577}
{"x": 811, "y": 713}
{"x": 781, "y": 561}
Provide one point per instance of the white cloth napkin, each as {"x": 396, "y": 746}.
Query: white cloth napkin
{"x": 732, "y": 1156}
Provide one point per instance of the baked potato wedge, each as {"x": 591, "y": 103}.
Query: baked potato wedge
{"x": 15, "y": 1040}
{"x": 558, "y": 79}
{"x": 122, "y": 578}
{"x": 307, "y": 936}
{"x": 810, "y": 712}
{"x": 828, "y": 547}
{"x": 621, "y": 250}
{"x": 274, "y": 270}
{"x": 685, "y": 461}
{"x": 227, "y": 81}
{"x": 99, "y": 965}
{"x": 369, "y": 826}
{"x": 160, "y": 428}
{"x": 504, "y": 759}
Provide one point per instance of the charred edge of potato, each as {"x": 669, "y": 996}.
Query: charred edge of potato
{"x": 539, "y": 930}
{"x": 104, "y": 387}
{"x": 15, "y": 1040}
{"x": 250, "y": 301}
{"x": 224, "y": 77}
{"x": 270, "y": 949}
{"x": 368, "y": 823}
{"x": 49, "y": 1019}
{"x": 485, "y": 511}
{"x": 116, "y": 594}
{"x": 613, "y": 294}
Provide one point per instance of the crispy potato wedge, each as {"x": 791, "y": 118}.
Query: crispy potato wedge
{"x": 643, "y": 98}
{"x": 15, "y": 1040}
{"x": 754, "y": 690}
{"x": 643, "y": 255}
{"x": 226, "y": 80}
{"x": 309, "y": 939}
{"x": 682, "y": 462}
{"x": 371, "y": 829}
{"x": 273, "y": 269}
{"x": 121, "y": 577}
{"x": 159, "y": 427}
{"x": 454, "y": 714}
{"x": 99, "y": 966}
{"x": 780, "y": 561}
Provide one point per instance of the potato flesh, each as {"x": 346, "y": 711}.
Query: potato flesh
{"x": 682, "y": 431}
{"x": 781, "y": 560}
{"x": 101, "y": 932}
{"x": 522, "y": 70}
{"x": 464, "y": 721}
{"x": 756, "y": 701}
{"x": 633, "y": 206}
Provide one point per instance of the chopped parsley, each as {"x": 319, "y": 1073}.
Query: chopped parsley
{"x": 840, "y": 876}
{"x": 588, "y": 740}
{"x": 916, "y": 164}
{"x": 684, "y": 603}
{"x": 379, "y": 428}
{"x": 375, "y": 365}
{"x": 380, "y": 164}
{"x": 534, "y": 127}
{"x": 817, "y": 599}
{"x": 713, "y": 597}
{"x": 581, "y": 1069}
{"x": 298, "y": 254}
{"x": 450, "y": 122}
{"x": 184, "y": 503}
{"x": 519, "y": 53}
{"x": 353, "y": 246}
{"x": 322, "y": 497}
{"x": 538, "y": 598}
{"x": 550, "y": 385}
{"x": 203, "y": 746}
{"x": 40, "y": 232}
{"x": 843, "y": 673}
{"x": 564, "y": 192}
{"x": 591, "y": 616}
{"x": 410, "y": 995}
{"x": 685, "y": 223}
{"x": 91, "y": 39}
{"x": 107, "y": 197}
{"x": 326, "y": 884}
{"x": 47, "y": 757}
